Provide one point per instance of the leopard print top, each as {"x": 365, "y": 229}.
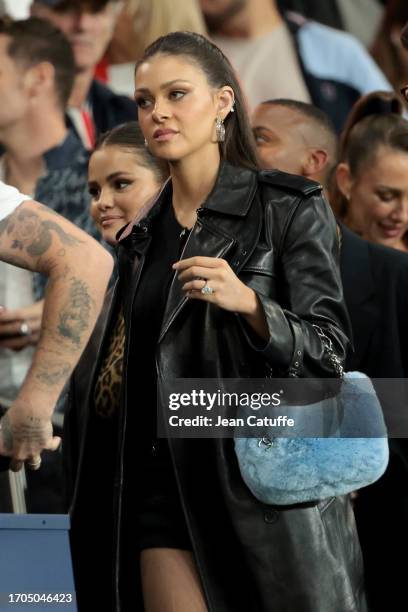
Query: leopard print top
{"x": 109, "y": 381}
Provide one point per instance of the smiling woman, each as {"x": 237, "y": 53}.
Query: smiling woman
{"x": 123, "y": 178}
{"x": 371, "y": 196}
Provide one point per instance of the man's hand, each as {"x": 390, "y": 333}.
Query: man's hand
{"x": 24, "y": 434}
{"x": 20, "y": 327}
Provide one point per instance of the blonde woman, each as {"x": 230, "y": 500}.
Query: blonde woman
{"x": 139, "y": 24}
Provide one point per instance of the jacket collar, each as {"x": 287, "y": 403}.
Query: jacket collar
{"x": 233, "y": 191}
{"x": 232, "y": 194}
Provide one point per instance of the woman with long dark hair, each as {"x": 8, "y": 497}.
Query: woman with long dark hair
{"x": 227, "y": 276}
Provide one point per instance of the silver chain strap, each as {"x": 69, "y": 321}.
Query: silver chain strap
{"x": 328, "y": 346}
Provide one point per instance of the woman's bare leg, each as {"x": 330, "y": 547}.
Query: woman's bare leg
{"x": 170, "y": 581}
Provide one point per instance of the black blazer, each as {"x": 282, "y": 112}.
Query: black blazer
{"x": 375, "y": 284}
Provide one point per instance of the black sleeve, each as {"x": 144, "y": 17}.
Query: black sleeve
{"x": 313, "y": 297}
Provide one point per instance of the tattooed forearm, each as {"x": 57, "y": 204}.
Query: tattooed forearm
{"x": 29, "y": 233}
{"x": 52, "y": 373}
{"x": 75, "y": 314}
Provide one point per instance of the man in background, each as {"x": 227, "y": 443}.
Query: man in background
{"x": 41, "y": 158}
{"x": 290, "y": 57}
{"x": 88, "y": 25}
{"x": 44, "y": 159}
{"x": 295, "y": 137}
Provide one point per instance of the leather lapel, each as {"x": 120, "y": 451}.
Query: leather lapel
{"x": 205, "y": 240}
{"x": 232, "y": 238}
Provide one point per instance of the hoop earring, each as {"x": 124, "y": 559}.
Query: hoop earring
{"x": 220, "y": 129}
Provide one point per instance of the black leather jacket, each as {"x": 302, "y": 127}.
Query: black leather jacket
{"x": 279, "y": 236}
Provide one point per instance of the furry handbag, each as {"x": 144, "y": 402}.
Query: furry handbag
{"x": 292, "y": 470}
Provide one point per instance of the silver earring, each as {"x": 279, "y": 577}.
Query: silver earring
{"x": 145, "y": 142}
{"x": 220, "y": 129}
{"x": 233, "y": 107}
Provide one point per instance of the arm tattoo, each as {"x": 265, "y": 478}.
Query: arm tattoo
{"x": 34, "y": 235}
{"x": 34, "y": 431}
{"x": 74, "y": 316}
{"x": 52, "y": 372}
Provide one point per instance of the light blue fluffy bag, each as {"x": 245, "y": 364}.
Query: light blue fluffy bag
{"x": 292, "y": 470}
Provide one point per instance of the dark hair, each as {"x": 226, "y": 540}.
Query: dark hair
{"x": 34, "y": 41}
{"x": 93, "y": 6}
{"x": 129, "y": 136}
{"x": 385, "y": 48}
{"x": 404, "y": 36}
{"x": 308, "y": 110}
{"x": 374, "y": 121}
{"x": 321, "y": 122}
{"x": 239, "y": 145}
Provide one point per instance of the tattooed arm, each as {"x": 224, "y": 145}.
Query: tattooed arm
{"x": 79, "y": 269}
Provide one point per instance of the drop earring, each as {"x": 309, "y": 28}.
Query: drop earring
{"x": 145, "y": 142}
{"x": 220, "y": 129}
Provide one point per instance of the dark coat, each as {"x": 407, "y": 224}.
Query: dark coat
{"x": 109, "y": 109}
{"x": 375, "y": 282}
{"x": 279, "y": 236}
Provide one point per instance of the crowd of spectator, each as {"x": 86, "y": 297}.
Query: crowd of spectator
{"x": 321, "y": 81}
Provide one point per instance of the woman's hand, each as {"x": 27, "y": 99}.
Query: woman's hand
{"x": 223, "y": 286}
{"x": 21, "y": 327}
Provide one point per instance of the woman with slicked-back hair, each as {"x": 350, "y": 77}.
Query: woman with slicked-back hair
{"x": 371, "y": 191}
{"x": 232, "y": 273}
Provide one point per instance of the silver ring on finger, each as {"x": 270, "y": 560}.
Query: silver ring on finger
{"x": 207, "y": 290}
{"x": 25, "y": 329}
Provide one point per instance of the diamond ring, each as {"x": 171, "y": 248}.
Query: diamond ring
{"x": 25, "y": 329}
{"x": 206, "y": 290}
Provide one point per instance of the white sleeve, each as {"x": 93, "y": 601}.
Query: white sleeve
{"x": 10, "y": 198}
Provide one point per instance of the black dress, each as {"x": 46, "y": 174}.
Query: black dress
{"x": 151, "y": 512}
{"x": 159, "y": 517}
